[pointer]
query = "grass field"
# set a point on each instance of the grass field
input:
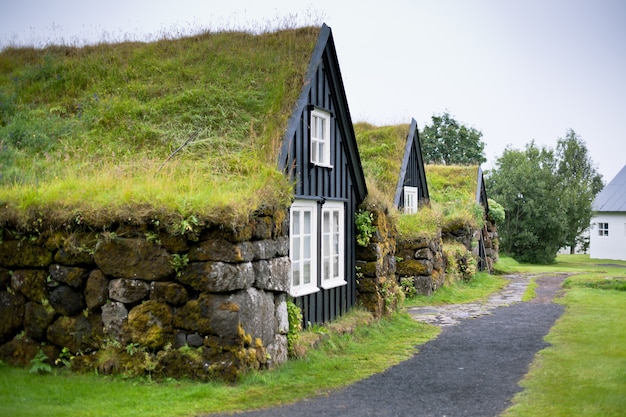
(583, 373)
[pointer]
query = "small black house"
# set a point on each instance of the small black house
(319, 152)
(412, 189)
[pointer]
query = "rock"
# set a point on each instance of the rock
(115, 319)
(150, 324)
(67, 301)
(31, 283)
(37, 318)
(168, 292)
(222, 250)
(12, 312)
(282, 317)
(128, 290)
(273, 274)
(96, 290)
(413, 267)
(75, 333)
(277, 351)
(195, 340)
(22, 254)
(217, 276)
(72, 276)
(133, 259)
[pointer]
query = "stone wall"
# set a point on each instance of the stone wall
(422, 261)
(133, 299)
(376, 267)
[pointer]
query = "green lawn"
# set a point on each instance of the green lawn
(583, 373)
(340, 360)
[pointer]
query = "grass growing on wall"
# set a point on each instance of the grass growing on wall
(191, 124)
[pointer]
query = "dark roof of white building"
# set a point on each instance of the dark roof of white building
(613, 196)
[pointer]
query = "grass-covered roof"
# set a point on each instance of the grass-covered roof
(381, 149)
(184, 126)
(453, 190)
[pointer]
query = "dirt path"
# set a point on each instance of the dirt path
(471, 369)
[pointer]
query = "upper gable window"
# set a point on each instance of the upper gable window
(410, 200)
(320, 137)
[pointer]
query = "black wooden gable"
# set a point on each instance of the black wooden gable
(344, 181)
(412, 171)
(323, 89)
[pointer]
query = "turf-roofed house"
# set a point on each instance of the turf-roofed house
(392, 159)
(460, 193)
(162, 202)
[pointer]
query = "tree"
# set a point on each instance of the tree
(580, 183)
(525, 185)
(448, 142)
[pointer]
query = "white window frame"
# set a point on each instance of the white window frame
(299, 254)
(319, 132)
(603, 229)
(333, 245)
(410, 200)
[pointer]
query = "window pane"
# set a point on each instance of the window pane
(307, 223)
(295, 222)
(307, 272)
(295, 249)
(336, 265)
(326, 275)
(295, 274)
(322, 129)
(326, 222)
(306, 249)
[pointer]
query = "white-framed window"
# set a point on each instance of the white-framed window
(333, 245)
(603, 229)
(410, 200)
(320, 137)
(303, 248)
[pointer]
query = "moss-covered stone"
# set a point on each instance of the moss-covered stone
(37, 318)
(75, 333)
(67, 301)
(96, 290)
(169, 292)
(150, 324)
(413, 267)
(23, 254)
(71, 275)
(133, 259)
(31, 283)
(12, 313)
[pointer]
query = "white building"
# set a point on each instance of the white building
(608, 226)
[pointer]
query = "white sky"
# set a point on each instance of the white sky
(516, 70)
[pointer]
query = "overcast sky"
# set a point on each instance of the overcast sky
(516, 70)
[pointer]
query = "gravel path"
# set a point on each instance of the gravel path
(471, 369)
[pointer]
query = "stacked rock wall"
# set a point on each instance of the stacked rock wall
(207, 304)
(376, 267)
(422, 261)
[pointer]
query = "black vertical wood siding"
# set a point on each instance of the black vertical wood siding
(334, 183)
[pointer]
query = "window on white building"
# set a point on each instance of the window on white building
(303, 248)
(320, 137)
(603, 229)
(333, 245)
(410, 200)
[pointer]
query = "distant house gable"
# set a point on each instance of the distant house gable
(412, 173)
(607, 237)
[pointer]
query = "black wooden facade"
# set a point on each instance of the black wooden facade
(412, 173)
(481, 198)
(345, 182)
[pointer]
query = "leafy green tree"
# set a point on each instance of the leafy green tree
(525, 184)
(580, 184)
(447, 142)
